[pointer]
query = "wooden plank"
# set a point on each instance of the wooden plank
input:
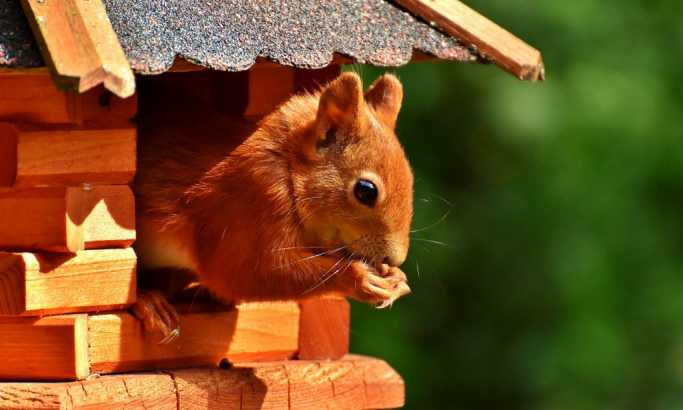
(33, 98)
(109, 216)
(462, 22)
(295, 384)
(36, 285)
(67, 156)
(324, 328)
(252, 331)
(67, 219)
(100, 107)
(50, 348)
(269, 86)
(77, 40)
(40, 219)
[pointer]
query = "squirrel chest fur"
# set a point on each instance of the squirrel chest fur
(315, 198)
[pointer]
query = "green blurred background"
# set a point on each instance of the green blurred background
(560, 284)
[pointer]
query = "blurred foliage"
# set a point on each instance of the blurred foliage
(560, 284)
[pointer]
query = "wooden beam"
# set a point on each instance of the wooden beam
(108, 216)
(35, 285)
(324, 328)
(78, 42)
(31, 97)
(494, 42)
(61, 156)
(355, 382)
(254, 331)
(40, 219)
(51, 348)
(66, 219)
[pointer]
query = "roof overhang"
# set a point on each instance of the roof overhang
(89, 42)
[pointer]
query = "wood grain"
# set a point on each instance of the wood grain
(66, 219)
(40, 219)
(253, 331)
(77, 40)
(75, 156)
(98, 280)
(462, 22)
(324, 328)
(50, 348)
(31, 97)
(354, 382)
(109, 216)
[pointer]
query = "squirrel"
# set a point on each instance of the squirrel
(315, 198)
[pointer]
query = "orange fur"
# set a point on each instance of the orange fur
(247, 209)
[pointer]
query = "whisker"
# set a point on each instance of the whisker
(417, 267)
(433, 242)
(322, 253)
(326, 276)
(442, 199)
(424, 248)
(290, 248)
(440, 220)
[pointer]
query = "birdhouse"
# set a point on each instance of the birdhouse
(78, 79)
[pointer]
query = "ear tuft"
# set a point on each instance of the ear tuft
(385, 96)
(342, 100)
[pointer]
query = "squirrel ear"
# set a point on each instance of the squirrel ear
(342, 101)
(385, 96)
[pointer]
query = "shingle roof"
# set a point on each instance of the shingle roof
(231, 34)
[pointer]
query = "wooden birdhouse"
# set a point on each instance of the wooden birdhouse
(77, 80)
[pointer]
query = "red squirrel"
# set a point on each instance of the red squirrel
(316, 198)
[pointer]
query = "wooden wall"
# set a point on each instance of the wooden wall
(67, 224)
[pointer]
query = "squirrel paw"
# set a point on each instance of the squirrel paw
(380, 287)
(157, 316)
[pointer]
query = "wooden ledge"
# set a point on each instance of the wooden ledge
(80, 45)
(491, 40)
(354, 382)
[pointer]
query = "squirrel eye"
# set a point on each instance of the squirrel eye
(365, 192)
(329, 139)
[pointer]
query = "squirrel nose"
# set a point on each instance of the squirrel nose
(396, 257)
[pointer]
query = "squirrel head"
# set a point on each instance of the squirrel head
(352, 183)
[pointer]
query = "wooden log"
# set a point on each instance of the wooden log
(66, 156)
(50, 348)
(351, 383)
(78, 42)
(269, 86)
(31, 97)
(109, 216)
(254, 331)
(67, 219)
(41, 219)
(36, 285)
(462, 22)
(324, 328)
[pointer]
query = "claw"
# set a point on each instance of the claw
(173, 335)
(382, 285)
(157, 316)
